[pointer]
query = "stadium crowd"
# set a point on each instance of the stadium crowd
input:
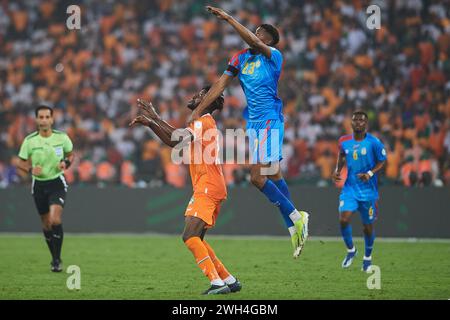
(165, 51)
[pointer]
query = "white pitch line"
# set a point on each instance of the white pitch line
(226, 237)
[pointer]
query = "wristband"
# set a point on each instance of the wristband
(370, 173)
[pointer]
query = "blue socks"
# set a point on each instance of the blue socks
(279, 198)
(347, 236)
(369, 240)
(282, 186)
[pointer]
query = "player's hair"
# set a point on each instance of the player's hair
(272, 31)
(43, 107)
(360, 112)
(218, 103)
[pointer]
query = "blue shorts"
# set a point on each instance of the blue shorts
(265, 140)
(367, 209)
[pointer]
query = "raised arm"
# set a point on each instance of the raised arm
(213, 93)
(150, 118)
(249, 37)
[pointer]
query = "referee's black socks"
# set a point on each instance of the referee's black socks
(48, 234)
(58, 235)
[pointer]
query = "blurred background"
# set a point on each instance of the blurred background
(123, 180)
(165, 51)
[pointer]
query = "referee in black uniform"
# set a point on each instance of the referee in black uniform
(47, 153)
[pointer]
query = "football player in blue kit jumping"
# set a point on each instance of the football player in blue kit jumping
(258, 69)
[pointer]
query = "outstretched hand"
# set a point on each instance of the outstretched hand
(148, 114)
(148, 109)
(219, 13)
(142, 120)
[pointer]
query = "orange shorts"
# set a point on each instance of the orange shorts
(205, 208)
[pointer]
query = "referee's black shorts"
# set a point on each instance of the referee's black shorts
(47, 193)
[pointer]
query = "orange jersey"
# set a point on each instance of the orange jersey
(205, 168)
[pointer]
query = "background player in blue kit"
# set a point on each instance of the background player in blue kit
(365, 155)
(258, 69)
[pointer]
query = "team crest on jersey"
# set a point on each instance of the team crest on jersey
(355, 155)
(197, 124)
(59, 151)
(363, 151)
(346, 151)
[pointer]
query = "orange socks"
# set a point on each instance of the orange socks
(221, 270)
(202, 258)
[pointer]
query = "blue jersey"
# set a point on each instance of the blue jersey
(361, 156)
(259, 76)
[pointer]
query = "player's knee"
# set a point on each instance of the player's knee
(53, 221)
(277, 176)
(56, 221)
(186, 236)
(47, 225)
(55, 215)
(46, 222)
(344, 221)
(257, 180)
(367, 228)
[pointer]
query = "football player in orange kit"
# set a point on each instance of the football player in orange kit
(207, 181)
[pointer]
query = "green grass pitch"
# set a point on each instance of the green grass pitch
(160, 267)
